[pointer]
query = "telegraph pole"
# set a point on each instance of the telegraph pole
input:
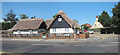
(74, 31)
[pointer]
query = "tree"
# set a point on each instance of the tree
(0, 25)
(5, 25)
(23, 16)
(112, 22)
(32, 17)
(75, 20)
(86, 28)
(11, 18)
(116, 15)
(104, 19)
(54, 15)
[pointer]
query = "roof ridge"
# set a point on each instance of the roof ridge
(61, 12)
(67, 19)
(49, 19)
(24, 25)
(32, 19)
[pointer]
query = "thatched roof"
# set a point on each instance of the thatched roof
(48, 22)
(26, 24)
(67, 19)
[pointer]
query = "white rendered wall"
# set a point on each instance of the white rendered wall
(61, 30)
(96, 25)
(25, 32)
(78, 31)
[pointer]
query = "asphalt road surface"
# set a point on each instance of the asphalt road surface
(109, 45)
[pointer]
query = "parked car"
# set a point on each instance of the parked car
(91, 32)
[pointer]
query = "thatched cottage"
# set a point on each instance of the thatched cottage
(60, 24)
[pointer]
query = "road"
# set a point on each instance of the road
(108, 45)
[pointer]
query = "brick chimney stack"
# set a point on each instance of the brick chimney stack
(96, 18)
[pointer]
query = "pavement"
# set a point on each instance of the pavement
(90, 45)
(61, 40)
(97, 35)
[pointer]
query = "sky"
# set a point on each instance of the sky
(83, 12)
(60, 0)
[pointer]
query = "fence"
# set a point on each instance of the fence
(4, 33)
(60, 35)
(27, 36)
(46, 35)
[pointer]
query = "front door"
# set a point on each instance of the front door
(44, 36)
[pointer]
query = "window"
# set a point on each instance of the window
(95, 24)
(30, 31)
(66, 29)
(54, 30)
(99, 25)
(18, 31)
(59, 19)
(59, 16)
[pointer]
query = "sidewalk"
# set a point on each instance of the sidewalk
(49, 40)
(60, 40)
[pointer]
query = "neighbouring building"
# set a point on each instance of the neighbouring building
(83, 28)
(97, 24)
(29, 26)
(88, 25)
(63, 24)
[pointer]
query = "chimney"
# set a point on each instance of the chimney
(96, 16)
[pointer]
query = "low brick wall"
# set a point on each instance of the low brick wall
(59, 37)
(97, 34)
(85, 35)
(48, 36)
(25, 38)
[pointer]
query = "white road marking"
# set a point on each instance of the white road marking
(115, 42)
(41, 44)
(76, 45)
(60, 45)
(103, 45)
